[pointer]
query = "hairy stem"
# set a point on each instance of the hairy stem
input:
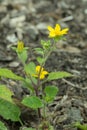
(39, 111)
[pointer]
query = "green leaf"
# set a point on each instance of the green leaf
(27, 83)
(58, 75)
(6, 73)
(39, 51)
(23, 56)
(80, 126)
(50, 92)
(2, 126)
(46, 44)
(40, 60)
(8, 109)
(6, 93)
(32, 102)
(30, 68)
(51, 127)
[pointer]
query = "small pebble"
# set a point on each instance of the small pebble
(12, 38)
(14, 64)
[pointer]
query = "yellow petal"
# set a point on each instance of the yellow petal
(50, 28)
(38, 68)
(57, 28)
(42, 76)
(52, 34)
(44, 72)
(64, 31)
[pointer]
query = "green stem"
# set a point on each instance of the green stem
(46, 54)
(39, 111)
(21, 122)
(38, 85)
(44, 111)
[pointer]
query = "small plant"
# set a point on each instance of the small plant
(35, 79)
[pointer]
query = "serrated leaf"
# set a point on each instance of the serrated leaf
(23, 56)
(9, 110)
(39, 51)
(30, 68)
(40, 60)
(46, 44)
(27, 83)
(32, 102)
(6, 93)
(50, 92)
(58, 75)
(2, 126)
(6, 73)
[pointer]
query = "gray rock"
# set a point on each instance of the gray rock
(5, 58)
(12, 38)
(14, 64)
(32, 32)
(75, 115)
(41, 26)
(17, 21)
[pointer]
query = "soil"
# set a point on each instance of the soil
(27, 21)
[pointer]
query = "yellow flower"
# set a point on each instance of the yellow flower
(20, 46)
(55, 32)
(42, 72)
